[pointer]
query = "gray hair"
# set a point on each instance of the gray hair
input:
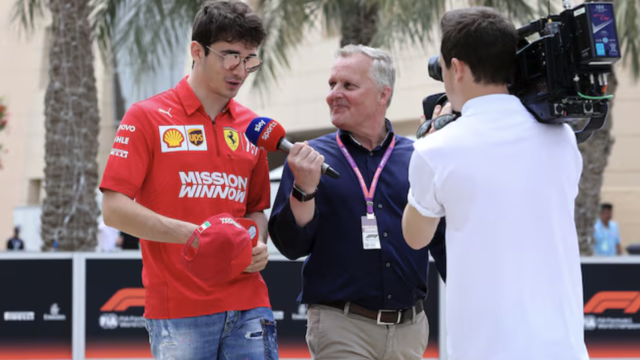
(382, 72)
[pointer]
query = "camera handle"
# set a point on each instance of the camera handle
(594, 124)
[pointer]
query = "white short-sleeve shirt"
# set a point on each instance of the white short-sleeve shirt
(507, 185)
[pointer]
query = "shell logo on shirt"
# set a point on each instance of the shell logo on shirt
(231, 138)
(172, 138)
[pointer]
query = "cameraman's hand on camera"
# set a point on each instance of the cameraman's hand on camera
(305, 164)
(437, 111)
(442, 110)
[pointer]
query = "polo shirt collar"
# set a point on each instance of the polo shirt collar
(232, 108)
(346, 135)
(490, 103)
(191, 103)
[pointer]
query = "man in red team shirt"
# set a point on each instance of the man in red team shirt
(178, 159)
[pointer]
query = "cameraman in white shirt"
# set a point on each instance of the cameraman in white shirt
(507, 185)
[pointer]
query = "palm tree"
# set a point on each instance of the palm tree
(596, 150)
(69, 211)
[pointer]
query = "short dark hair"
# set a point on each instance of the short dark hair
(230, 21)
(483, 39)
(606, 206)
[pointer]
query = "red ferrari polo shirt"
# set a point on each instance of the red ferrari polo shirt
(173, 159)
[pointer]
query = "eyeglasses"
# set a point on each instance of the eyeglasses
(230, 61)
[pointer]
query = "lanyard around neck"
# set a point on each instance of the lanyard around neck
(368, 193)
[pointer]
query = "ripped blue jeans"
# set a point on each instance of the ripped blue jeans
(230, 335)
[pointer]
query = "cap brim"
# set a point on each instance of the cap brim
(241, 262)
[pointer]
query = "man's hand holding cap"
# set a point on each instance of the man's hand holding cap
(252, 228)
(224, 248)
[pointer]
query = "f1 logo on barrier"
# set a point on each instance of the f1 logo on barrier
(124, 299)
(629, 301)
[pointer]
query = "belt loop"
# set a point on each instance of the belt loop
(345, 311)
(413, 317)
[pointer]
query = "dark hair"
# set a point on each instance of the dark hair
(606, 206)
(483, 39)
(230, 21)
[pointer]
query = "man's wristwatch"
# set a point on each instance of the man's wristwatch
(301, 195)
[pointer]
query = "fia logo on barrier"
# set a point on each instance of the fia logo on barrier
(613, 310)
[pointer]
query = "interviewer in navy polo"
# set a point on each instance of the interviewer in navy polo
(361, 278)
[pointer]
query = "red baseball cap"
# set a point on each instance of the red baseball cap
(224, 249)
(252, 228)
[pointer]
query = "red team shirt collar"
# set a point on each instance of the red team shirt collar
(191, 103)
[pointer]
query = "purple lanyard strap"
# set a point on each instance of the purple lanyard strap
(368, 193)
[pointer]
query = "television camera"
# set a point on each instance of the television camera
(560, 77)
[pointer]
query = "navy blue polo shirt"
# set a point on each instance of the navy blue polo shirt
(337, 267)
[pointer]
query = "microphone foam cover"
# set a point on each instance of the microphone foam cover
(265, 133)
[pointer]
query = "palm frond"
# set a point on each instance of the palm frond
(27, 13)
(628, 26)
(101, 19)
(334, 12)
(522, 11)
(408, 22)
(147, 31)
(285, 22)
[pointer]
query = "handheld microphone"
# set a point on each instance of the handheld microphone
(268, 135)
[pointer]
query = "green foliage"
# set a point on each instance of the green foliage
(151, 30)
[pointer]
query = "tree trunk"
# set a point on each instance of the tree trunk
(595, 155)
(361, 26)
(69, 210)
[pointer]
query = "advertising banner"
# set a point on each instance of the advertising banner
(36, 306)
(612, 309)
(115, 300)
(284, 279)
(432, 309)
(114, 325)
(37, 303)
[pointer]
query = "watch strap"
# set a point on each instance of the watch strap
(301, 195)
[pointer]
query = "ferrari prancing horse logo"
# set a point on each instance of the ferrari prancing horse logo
(232, 138)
